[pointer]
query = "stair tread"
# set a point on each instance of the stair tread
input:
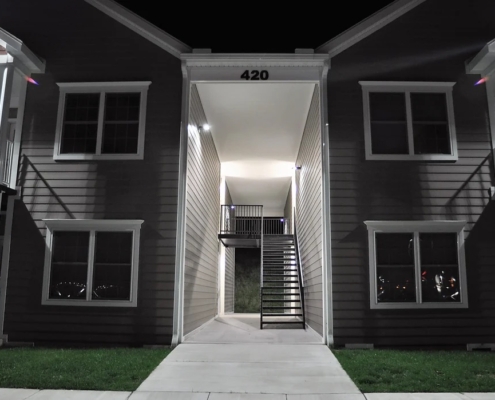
(281, 315)
(281, 301)
(280, 294)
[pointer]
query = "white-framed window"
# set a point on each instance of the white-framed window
(409, 121)
(91, 262)
(417, 264)
(101, 121)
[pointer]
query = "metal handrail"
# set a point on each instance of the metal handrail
(299, 269)
(276, 226)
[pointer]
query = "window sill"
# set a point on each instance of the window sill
(413, 157)
(93, 303)
(89, 157)
(416, 306)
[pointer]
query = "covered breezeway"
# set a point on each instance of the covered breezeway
(242, 143)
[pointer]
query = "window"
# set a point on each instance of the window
(409, 121)
(103, 121)
(91, 262)
(417, 264)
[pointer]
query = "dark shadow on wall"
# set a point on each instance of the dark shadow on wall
(480, 265)
(25, 166)
(24, 286)
(474, 183)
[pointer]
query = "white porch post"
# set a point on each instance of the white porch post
(6, 79)
(221, 255)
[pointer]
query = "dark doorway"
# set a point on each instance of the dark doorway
(247, 280)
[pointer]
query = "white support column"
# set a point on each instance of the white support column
(18, 132)
(221, 257)
(6, 79)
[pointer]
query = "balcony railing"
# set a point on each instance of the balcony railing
(248, 220)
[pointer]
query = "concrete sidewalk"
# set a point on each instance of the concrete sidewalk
(250, 368)
(24, 394)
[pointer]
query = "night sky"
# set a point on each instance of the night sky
(254, 27)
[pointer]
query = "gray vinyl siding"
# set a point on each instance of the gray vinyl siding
(430, 43)
(88, 46)
(202, 221)
(308, 209)
(229, 267)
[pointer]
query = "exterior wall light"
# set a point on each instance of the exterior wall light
(204, 127)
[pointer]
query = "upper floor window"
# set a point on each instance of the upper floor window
(101, 120)
(417, 264)
(409, 121)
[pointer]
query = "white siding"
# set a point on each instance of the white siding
(202, 219)
(308, 214)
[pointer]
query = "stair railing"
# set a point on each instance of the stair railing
(299, 272)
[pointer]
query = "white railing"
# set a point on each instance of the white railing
(8, 160)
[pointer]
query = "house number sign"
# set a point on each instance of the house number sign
(255, 75)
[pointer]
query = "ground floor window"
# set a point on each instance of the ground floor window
(417, 264)
(91, 262)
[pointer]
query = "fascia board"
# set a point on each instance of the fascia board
(141, 26)
(483, 62)
(19, 50)
(264, 59)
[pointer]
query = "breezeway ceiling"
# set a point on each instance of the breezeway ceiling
(257, 129)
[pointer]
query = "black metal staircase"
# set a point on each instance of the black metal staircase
(282, 290)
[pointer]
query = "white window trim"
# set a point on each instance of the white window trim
(102, 88)
(92, 226)
(408, 88)
(417, 227)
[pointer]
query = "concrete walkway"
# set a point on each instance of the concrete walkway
(229, 358)
(24, 394)
(250, 368)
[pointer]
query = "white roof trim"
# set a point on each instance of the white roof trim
(484, 62)
(141, 26)
(368, 26)
(276, 60)
(16, 48)
(422, 226)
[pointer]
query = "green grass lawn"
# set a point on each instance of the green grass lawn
(88, 369)
(419, 371)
